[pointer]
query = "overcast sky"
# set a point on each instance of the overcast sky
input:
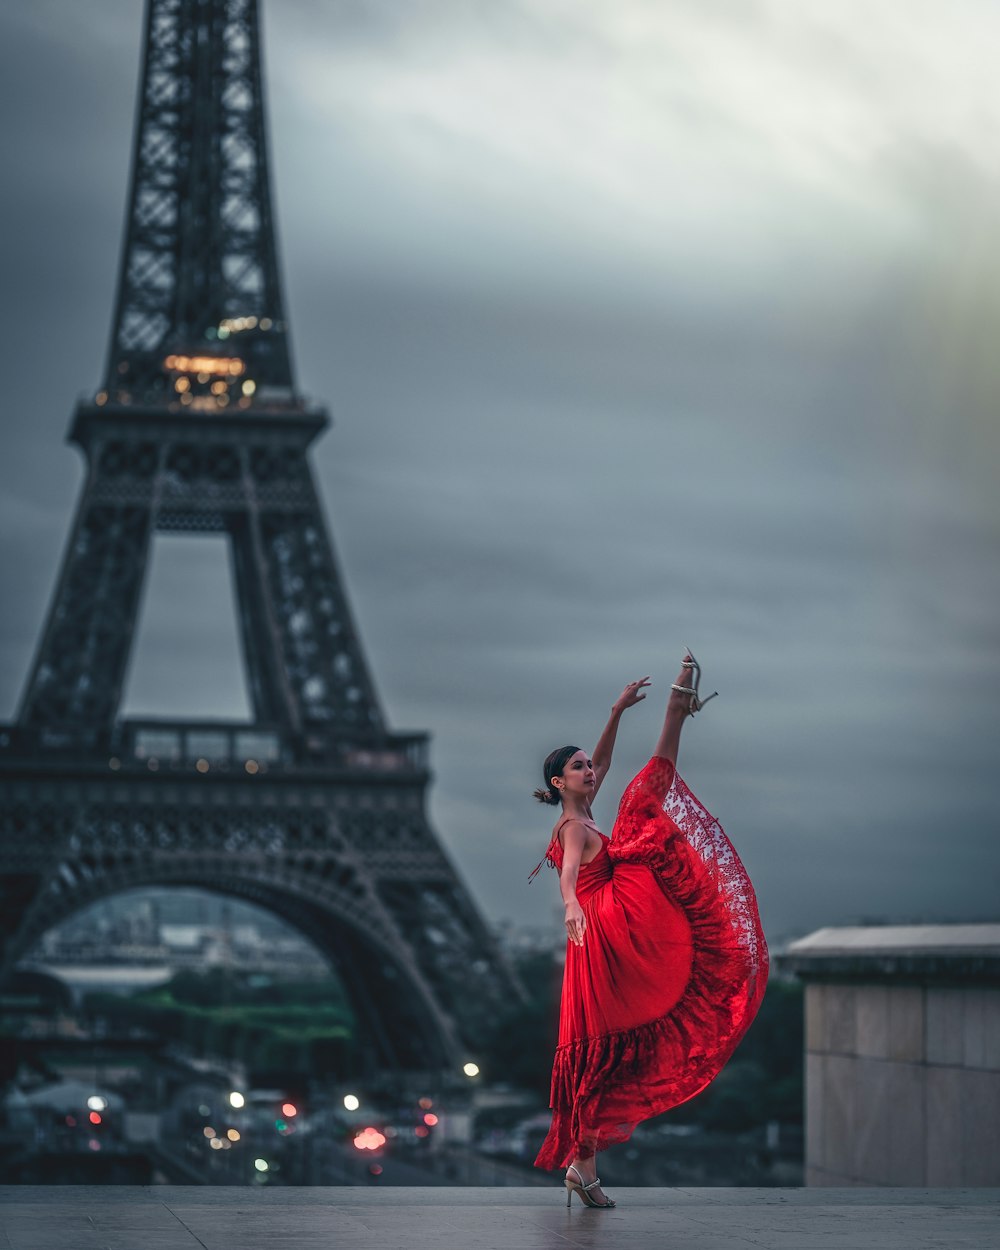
(643, 324)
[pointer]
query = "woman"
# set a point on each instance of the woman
(666, 962)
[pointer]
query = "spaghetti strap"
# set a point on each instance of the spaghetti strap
(559, 825)
(548, 857)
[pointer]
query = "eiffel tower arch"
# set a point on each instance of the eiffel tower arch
(316, 808)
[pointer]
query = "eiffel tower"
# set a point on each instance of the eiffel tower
(315, 810)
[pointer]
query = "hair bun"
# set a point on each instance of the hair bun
(544, 796)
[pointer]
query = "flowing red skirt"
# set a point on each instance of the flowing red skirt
(670, 975)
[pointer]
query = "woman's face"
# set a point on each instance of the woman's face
(578, 777)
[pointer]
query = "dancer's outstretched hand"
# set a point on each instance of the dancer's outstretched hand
(630, 696)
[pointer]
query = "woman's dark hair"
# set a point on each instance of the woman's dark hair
(554, 764)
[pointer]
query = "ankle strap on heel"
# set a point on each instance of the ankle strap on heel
(592, 1184)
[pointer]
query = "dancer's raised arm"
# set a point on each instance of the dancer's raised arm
(629, 697)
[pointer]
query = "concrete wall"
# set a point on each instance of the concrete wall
(902, 1084)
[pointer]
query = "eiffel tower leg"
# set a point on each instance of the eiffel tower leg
(317, 638)
(76, 683)
(271, 696)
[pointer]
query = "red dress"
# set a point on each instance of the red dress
(670, 975)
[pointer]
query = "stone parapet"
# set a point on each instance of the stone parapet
(902, 1064)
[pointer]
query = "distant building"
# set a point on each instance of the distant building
(180, 930)
(902, 1054)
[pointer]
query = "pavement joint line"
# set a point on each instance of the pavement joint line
(188, 1230)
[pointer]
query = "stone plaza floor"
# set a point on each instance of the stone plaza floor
(42, 1217)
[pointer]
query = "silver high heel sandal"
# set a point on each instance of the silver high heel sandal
(696, 703)
(583, 1190)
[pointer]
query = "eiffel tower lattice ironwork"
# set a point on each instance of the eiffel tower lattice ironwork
(315, 810)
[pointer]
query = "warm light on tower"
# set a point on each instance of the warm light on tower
(204, 366)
